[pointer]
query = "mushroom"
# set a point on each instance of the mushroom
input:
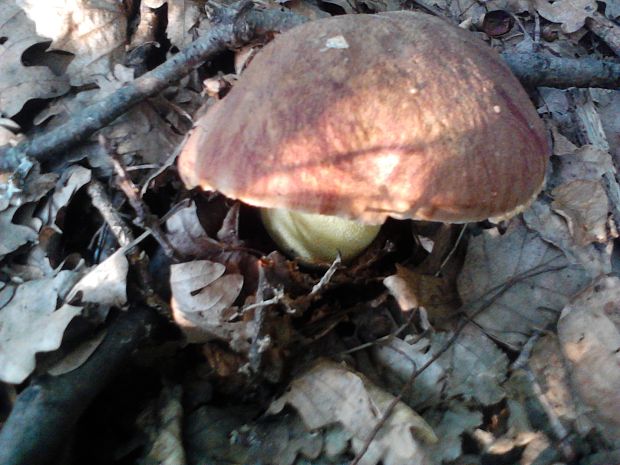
(342, 122)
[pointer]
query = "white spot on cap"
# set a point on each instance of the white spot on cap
(385, 165)
(336, 42)
(497, 109)
(413, 90)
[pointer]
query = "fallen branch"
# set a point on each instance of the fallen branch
(48, 409)
(607, 30)
(233, 27)
(538, 70)
(236, 26)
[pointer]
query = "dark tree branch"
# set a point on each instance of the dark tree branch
(233, 27)
(538, 70)
(47, 410)
(236, 26)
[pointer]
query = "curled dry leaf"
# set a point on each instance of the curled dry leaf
(584, 205)
(589, 332)
(162, 423)
(474, 365)
(411, 290)
(186, 234)
(449, 428)
(19, 83)
(93, 30)
(37, 222)
(331, 393)
(572, 14)
(515, 283)
(497, 23)
(106, 283)
(72, 179)
(31, 323)
(13, 236)
(201, 292)
(553, 229)
(399, 360)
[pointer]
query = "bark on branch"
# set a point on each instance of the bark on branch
(46, 411)
(236, 26)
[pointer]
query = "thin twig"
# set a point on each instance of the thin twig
(386, 338)
(392, 405)
(127, 241)
(144, 217)
(234, 26)
(452, 251)
(101, 201)
(326, 278)
(493, 296)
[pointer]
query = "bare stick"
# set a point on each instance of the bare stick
(233, 27)
(392, 405)
(538, 70)
(606, 29)
(126, 238)
(493, 294)
(236, 26)
(145, 218)
(47, 410)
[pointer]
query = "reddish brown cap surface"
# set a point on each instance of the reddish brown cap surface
(369, 116)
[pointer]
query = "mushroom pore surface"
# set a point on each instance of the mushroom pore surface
(369, 116)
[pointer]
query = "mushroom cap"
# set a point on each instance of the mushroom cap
(369, 116)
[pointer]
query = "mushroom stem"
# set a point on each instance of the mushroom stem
(317, 238)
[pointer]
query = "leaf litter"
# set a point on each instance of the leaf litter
(515, 281)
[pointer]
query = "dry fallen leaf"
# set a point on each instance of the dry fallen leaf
(584, 205)
(187, 235)
(201, 286)
(608, 107)
(331, 393)
(183, 16)
(72, 179)
(13, 236)
(516, 283)
(589, 332)
(585, 162)
(31, 323)
(201, 293)
(106, 283)
(92, 30)
(552, 228)
(19, 83)
(162, 423)
(449, 428)
(548, 367)
(411, 290)
(398, 359)
(475, 366)
(77, 356)
(572, 14)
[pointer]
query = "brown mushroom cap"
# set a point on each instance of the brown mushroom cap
(368, 116)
